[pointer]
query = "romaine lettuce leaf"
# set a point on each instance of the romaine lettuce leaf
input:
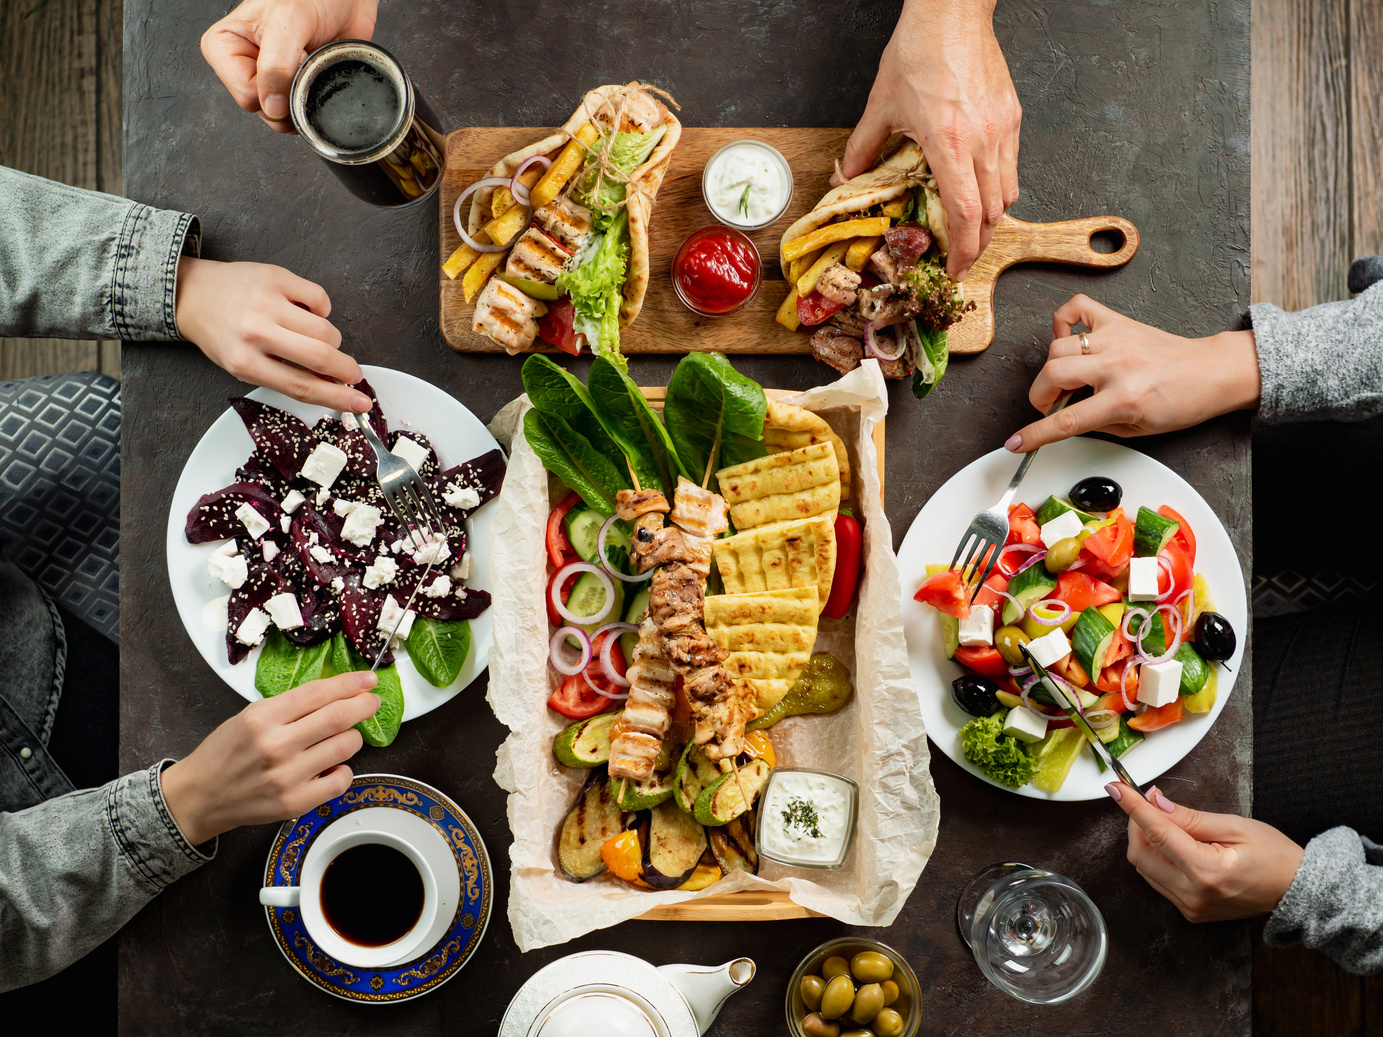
(596, 289)
(628, 151)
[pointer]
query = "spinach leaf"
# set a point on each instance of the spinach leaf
(382, 728)
(439, 649)
(569, 455)
(931, 360)
(283, 665)
(714, 414)
(555, 390)
(632, 423)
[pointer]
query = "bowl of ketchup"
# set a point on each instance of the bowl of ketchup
(716, 271)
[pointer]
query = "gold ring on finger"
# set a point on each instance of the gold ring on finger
(1084, 344)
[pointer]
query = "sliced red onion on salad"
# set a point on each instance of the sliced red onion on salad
(605, 563)
(489, 181)
(520, 190)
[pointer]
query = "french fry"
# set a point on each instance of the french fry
(502, 201)
(859, 252)
(798, 266)
(807, 282)
(480, 272)
(895, 208)
(787, 313)
(571, 159)
(463, 257)
(502, 230)
(833, 232)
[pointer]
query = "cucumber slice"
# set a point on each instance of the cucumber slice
(1155, 638)
(582, 526)
(1032, 584)
(950, 634)
(1090, 640)
(1055, 756)
(1151, 532)
(588, 599)
(1126, 740)
(638, 607)
(1054, 506)
(720, 802)
(585, 743)
(1195, 671)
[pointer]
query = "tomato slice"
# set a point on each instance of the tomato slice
(1184, 534)
(989, 593)
(1071, 670)
(556, 326)
(1112, 545)
(983, 659)
(576, 698)
(1160, 717)
(1177, 569)
(1108, 682)
(813, 308)
(1080, 591)
(559, 549)
(945, 591)
(1022, 526)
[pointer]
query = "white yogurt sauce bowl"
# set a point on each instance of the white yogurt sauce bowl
(807, 818)
(751, 164)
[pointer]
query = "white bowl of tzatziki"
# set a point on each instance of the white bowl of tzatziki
(807, 818)
(747, 184)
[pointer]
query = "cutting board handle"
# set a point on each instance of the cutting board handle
(1067, 241)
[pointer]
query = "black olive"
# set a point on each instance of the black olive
(977, 695)
(644, 535)
(1098, 493)
(1214, 636)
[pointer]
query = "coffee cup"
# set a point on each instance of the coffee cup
(376, 888)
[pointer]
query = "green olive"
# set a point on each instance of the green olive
(868, 1000)
(814, 1025)
(890, 991)
(837, 998)
(1007, 640)
(810, 989)
(835, 966)
(888, 1023)
(1062, 555)
(871, 967)
(858, 1033)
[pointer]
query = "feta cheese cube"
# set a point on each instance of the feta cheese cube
(338, 585)
(255, 524)
(1025, 725)
(434, 551)
(1159, 683)
(285, 522)
(1067, 524)
(322, 496)
(382, 571)
(1050, 649)
(412, 452)
(320, 553)
(462, 569)
(228, 567)
(283, 610)
(324, 464)
(342, 507)
(1142, 579)
(252, 627)
(389, 615)
(461, 497)
(978, 627)
(229, 548)
(293, 501)
(438, 588)
(359, 527)
(271, 550)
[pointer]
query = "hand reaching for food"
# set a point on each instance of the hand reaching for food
(257, 48)
(1212, 867)
(943, 82)
(1145, 380)
(275, 759)
(267, 326)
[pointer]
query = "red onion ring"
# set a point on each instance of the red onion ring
(1172, 648)
(605, 561)
(556, 651)
(613, 631)
(1107, 718)
(1077, 565)
(1189, 592)
(520, 190)
(1041, 554)
(871, 344)
(1019, 671)
(585, 676)
(566, 613)
(1123, 684)
(489, 181)
(1016, 603)
(1163, 565)
(1048, 622)
(1147, 620)
(1026, 548)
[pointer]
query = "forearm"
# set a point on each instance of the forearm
(74, 869)
(80, 264)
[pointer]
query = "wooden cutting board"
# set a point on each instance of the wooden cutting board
(666, 326)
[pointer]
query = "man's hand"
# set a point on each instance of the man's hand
(267, 326)
(1212, 867)
(1145, 380)
(943, 82)
(275, 759)
(257, 48)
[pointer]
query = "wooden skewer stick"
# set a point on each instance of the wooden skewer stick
(706, 479)
(734, 766)
(620, 798)
(633, 475)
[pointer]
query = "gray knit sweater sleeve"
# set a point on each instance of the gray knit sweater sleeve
(1335, 903)
(1322, 363)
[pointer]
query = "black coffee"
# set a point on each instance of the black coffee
(353, 105)
(372, 894)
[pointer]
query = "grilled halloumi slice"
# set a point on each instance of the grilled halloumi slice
(506, 315)
(566, 221)
(536, 257)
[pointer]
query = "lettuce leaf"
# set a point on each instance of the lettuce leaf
(628, 151)
(930, 355)
(714, 414)
(596, 288)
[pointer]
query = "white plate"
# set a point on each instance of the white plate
(938, 528)
(458, 436)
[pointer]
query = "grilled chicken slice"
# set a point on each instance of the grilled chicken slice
(641, 113)
(838, 284)
(630, 504)
(506, 315)
(566, 221)
(632, 753)
(700, 512)
(536, 257)
(639, 732)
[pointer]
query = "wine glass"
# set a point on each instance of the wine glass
(1034, 933)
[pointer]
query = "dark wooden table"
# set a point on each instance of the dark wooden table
(1138, 109)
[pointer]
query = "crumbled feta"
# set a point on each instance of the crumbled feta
(1159, 684)
(399, 547)
(359, 527)
(252, 627)
(381, 572)
(1065, 525)
(293, 501)
(228, 566)
(389, 615)
(461, 497)
(1050, 649)
(978, 627)
(320, 553)
(323, 465)
(434, 551)
(438, 588)
(322, 496)
(338, 585)
(271, 550)
(342, 507)
(1025, 725)
(283, 610)
(412, 452)
(286, 522)
(255, 524)
(1142, 579)
(462, 569)
(230, 547)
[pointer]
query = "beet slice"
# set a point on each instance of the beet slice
(282, 439)
(484, 474)
(213, 516)
(445, 609)
(261, 584)
(344, 557)
(360, 609)
(376, 416)
(262, 474)
(321, 616)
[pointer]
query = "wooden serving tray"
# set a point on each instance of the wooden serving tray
(666, 326)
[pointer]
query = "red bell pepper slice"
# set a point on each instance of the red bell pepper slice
(1159, 717)
(983, 659)
(945, 591)
(559, 549)
(849, 546)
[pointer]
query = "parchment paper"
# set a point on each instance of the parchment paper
(878, 739)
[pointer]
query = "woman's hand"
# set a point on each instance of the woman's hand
(257, 48)
(1145, 380)
(1210, 866)
(943, 82)
(267, 326)
(275, 759)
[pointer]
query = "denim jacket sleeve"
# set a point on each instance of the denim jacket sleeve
(78, 264)
(104, 854)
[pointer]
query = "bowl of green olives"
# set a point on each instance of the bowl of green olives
(854, 987)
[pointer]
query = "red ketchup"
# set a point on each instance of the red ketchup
(717, 270)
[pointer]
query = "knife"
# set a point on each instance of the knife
(1057, 688)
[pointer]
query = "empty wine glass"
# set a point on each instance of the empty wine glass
(1034, 933)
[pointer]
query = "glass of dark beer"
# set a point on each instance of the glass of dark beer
(357, 108)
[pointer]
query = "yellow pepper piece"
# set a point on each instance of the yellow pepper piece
(502, 201)
(1008, 699)
(799, 266)
(758, 746)
(859, 252)
(894, 208)
(702, 876)
(572, 158)
(787, 313)
(623, 856)
(1204, 602)
(870, 226)
(935, 567)
(479, 272)
(503, 229)
(807, 282)
(1202, 701)
(463, 257)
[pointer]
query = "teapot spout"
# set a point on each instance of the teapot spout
(704, 988)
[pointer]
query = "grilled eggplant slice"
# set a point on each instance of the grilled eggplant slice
(732, 846)
(673, 847)
(593, 818)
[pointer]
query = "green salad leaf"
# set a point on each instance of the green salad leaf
(596, 288)
(283, 665)
(382, 728)
(570, 456)
(931, 360)
(628, 151)
(439, 649)
(553, 389)
(714, 414)
(1000, 756)
(634, 426)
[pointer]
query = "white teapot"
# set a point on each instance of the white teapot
(619, 995)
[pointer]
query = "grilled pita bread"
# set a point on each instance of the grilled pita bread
(787, 428)
(768, 635)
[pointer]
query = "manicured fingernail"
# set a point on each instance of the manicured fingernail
(1114, 792)
(368, 679)
(276, 106)
(1014, 444)
(1162, 801)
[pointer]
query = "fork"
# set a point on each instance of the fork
(989, 529)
